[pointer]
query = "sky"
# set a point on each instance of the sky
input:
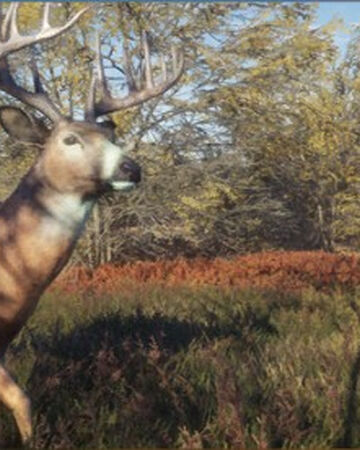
(348, 11)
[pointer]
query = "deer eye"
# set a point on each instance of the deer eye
(71, 140)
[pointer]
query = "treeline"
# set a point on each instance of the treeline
(256, 148)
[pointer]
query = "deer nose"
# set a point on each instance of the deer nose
(131, 169)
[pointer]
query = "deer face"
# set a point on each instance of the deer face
(81, 157)
(77, 157)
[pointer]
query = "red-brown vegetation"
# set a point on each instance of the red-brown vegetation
(286, 271)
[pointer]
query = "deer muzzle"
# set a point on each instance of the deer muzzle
(130, 169)
(127, 176)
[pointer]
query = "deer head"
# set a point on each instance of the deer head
(76, 156)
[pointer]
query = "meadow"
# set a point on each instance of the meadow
(193, 361)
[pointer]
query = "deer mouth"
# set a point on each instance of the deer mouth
(127, 176)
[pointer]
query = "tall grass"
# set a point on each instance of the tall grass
(191, 367)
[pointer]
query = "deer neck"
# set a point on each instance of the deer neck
(39, 227)
(42, 223)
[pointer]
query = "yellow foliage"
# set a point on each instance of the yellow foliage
(124, 120)
(12, 169)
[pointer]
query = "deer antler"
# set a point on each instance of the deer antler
(11, 41)
(107, 104)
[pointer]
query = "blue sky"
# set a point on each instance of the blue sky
(348, 11)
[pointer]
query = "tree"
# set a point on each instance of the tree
(257, 147)
(290, 124)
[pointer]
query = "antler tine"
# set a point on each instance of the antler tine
(90, 102)
(101, 80)
(14, 41)
(38, 100)
(130, 79)
(148, 70)
(38, 87)
(45, 21)
(97, 81)
(174, 58)
(7, 21)
(163, 68)
(12, 23)
(108, 104)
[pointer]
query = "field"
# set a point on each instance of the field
(261, 351)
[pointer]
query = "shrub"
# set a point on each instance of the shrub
(285, 271)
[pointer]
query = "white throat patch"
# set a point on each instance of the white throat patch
(66, 214)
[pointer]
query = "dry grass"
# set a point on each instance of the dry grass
(193, 366)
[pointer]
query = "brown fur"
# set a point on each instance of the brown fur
(28, 261)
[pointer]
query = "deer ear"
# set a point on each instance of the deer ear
(21, 126)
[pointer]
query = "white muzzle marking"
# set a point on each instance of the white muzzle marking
(122, 185)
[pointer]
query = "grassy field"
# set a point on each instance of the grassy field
(157, 366)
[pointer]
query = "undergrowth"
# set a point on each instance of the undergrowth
(190, 367)
(278, 270)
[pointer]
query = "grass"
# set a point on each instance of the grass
(190, 367)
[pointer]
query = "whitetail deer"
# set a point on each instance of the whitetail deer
(41, 221)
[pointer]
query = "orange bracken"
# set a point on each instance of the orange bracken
(286, 271)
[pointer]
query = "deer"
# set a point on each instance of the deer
(78, 162)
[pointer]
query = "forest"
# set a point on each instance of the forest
(255, 148)
(216, 305)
